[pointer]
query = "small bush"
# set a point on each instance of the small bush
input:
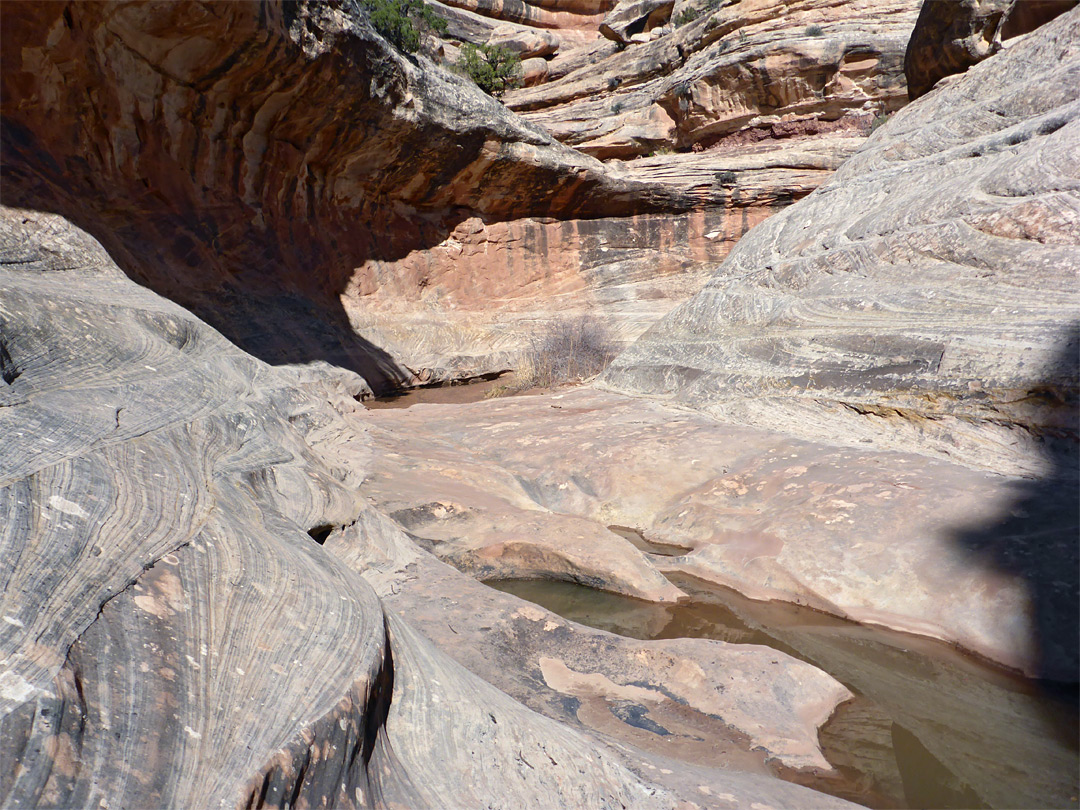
(401, 21)
(687, 15)
(494, 69)
(727, 178)
(814, 31)
(879, 119)
(613, 82)
(616, 108)
(566, 350)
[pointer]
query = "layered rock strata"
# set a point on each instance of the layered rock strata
(951, 37)
(178, 630)
(289, 177)
(734, 67)
(270, 152)
(926, 296)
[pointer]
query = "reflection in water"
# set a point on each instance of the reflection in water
(458, 393)
(930, 727)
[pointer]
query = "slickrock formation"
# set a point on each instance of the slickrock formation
(924, 297)
(847, 531)
(172, 635)
(883, 538)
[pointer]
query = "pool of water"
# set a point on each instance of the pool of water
(929, 727)
(453, 394)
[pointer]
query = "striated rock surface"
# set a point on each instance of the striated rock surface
(924, 297)
(173, 635)
(735, 67)
(290, 178)
(705, 703)
(635, 17)
(252, 161)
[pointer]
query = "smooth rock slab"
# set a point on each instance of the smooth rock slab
(874, 536)
(925, 298)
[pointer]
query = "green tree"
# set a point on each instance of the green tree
(401, 21)
(495, 69)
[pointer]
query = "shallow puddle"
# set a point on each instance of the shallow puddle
(929, 727)
(454, 394)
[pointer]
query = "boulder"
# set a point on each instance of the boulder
(526, 44)
(951, 36)
(633, 17)
(533, 71)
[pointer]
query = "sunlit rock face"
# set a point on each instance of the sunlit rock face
(924, 297)
(762, 69)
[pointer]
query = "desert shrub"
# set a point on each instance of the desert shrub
(727, 178)
(687, 15)
(566, 350)
(814, 31)
(495, 69)
(613, 82)
(879, 119)
(616, 107)
(401, 21)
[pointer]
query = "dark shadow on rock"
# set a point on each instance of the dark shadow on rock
(291, 327)
(1036, 536)
(255, 181)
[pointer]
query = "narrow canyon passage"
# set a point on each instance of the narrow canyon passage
(809, 537)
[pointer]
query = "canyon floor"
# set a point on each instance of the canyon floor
(810, 540)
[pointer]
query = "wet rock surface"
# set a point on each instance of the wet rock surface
(869, 535)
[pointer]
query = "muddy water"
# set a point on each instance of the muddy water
(456, 394)
(929, 727)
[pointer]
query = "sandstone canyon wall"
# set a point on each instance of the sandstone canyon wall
(314, 194)
(208, 592)
(925, 296)
(173, 636)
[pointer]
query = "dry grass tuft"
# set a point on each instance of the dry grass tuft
(566, 350)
